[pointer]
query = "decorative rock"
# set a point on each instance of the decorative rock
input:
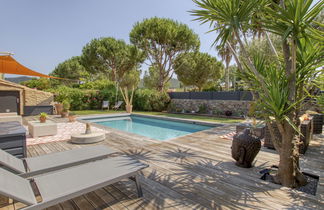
(245, 147)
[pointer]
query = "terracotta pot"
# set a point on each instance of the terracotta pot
(129, 108)
(59, 108)
(64, 114)
(71, 118)
(42, 119)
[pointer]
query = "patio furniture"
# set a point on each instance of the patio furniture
(69, 183)
(105, 105)
(258, 130)
(118, 105)
(267, 136)
(10, 116)
(306, 128)
(13, 138)
(318, 120)
(37, 128)
(32, 166)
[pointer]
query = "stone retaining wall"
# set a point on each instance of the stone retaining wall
(217, 107)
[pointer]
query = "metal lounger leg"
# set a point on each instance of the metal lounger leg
(138, 185)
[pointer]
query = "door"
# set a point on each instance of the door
(9, 101)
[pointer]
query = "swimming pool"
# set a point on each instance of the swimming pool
(155, 128)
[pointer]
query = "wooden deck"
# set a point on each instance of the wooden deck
(195, 172)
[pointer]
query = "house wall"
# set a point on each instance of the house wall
(28, 97)
(37, 98)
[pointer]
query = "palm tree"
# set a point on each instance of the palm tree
(226, 55)
(280, 85)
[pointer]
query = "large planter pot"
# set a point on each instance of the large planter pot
(317, 123)
(306, 129)
(267, 136)
(129, 108)
(245, 147)
(64, 114)
(58, 108)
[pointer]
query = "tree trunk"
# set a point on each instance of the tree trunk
(286, 163)
(161, 83)
(227, 76)
(289, 174)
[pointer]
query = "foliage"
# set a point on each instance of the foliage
(162, 40)
(151, 78)
(198, 69)
(282, 84)
(261, 46)
(71, 70)
(84, 99)
(66, 105)
(99, 84)
(39, 84)
(128, 83)
(150, 100)
(43, 114)
(111, 56)
(203, 108)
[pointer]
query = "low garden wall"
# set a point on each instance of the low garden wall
(216, 107)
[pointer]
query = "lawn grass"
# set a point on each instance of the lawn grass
(183, 116)
(88, 112)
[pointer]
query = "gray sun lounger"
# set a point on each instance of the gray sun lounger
(60, 186)
(33, 166)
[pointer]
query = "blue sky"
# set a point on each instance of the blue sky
(43, 33)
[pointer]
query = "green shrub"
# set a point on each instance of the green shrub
(203, 108)
(66, 105)
(81, 99)
(98, 85)
(150, 100)
(39, 84)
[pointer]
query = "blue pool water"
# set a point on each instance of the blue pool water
(153, 128)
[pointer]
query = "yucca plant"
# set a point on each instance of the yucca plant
(282, 85)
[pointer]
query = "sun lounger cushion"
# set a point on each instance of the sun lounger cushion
(11, 162)
(57, 160)
(16, 187)
(85, 178)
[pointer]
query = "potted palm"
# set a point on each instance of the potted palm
(66, 108)
(129, 82)
(42, 117)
